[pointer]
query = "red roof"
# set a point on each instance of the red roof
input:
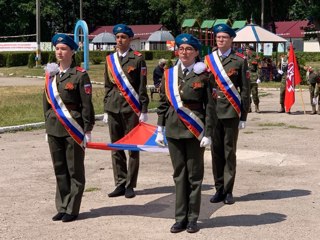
(142, 32)
(291, 29)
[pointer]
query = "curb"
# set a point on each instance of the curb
(31, 126)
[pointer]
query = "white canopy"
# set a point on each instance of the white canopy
(104, 37)
(253, 33)
(161, 36)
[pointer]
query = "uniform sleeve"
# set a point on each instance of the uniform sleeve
(45, 103)
(108, 85)
(244, 91)
(143, 95)
(87, 111)
(211, 114)
(163, 105)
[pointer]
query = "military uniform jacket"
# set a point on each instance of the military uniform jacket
(313, 77)
(75, 91)
(236, 68)
(134, 67)
(253, 67)
(196, 94)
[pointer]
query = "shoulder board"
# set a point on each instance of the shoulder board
(137, 53)
(240, 55)
(80, 69)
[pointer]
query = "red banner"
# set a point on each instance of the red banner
(293, 79)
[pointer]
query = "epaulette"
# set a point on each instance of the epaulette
(214, 48)
(241, 55)
(80, 69)
(137, 53)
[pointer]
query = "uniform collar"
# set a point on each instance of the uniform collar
(123, 54)
(190, 68)
(225, 54)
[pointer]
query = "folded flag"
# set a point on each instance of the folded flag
(140, 138)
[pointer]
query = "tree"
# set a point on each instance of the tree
(307, 9)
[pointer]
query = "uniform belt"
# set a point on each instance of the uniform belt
(193, 106)
(73, 107)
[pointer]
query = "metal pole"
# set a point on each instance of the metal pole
(81, 17)
(81, 6)
(262, 13)
(38, 51)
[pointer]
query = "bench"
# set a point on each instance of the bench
(153, 90)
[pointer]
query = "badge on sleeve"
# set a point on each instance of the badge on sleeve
(144, 71)
(88, 89)
(248, 74)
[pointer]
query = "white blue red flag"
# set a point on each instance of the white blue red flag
(141, 138)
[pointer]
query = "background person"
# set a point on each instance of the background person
(191, 83)
(72, 86)
(312, 78)
(254, 78)
(123, 111)
(158, 73)
(231, 69)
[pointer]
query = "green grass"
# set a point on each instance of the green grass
(96, 71)
(92, 189)
(280, 124)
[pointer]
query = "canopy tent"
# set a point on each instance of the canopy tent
(104, 37)
(161, 36)
(253, 33)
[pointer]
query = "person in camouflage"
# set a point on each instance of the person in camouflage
(254, 78)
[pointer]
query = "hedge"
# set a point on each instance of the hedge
(11, 59)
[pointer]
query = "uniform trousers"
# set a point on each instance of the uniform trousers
(121, 124)
(223, 150)
(188, 168)
(68, 163)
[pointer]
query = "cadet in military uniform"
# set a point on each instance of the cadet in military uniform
(233, 98)
(312, 78)
(282, 71)
(186, 112)
(69, 119)
(254, 79)
(125, 104)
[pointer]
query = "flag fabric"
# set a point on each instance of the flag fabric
(293, 79)
(141, 138)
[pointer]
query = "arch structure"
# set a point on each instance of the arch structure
(83, 25)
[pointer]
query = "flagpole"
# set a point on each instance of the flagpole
(303, 106)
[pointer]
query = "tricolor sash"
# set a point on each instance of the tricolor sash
(61, 111)
(192, 122)
(223, 81)
(123, 83)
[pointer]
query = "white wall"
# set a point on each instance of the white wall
(311, 46)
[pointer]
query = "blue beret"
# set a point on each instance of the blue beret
(224, 28)
(65, 39)
(186, 38)
(122, 28)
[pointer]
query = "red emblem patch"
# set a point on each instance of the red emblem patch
(69, 86)
(130, 69)
(88, 89)
(196, 85)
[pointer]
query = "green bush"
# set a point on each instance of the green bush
(3, 59)
(31, 61)
(78, 58)
(96, 60)
(52, 57)
(9, 62)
